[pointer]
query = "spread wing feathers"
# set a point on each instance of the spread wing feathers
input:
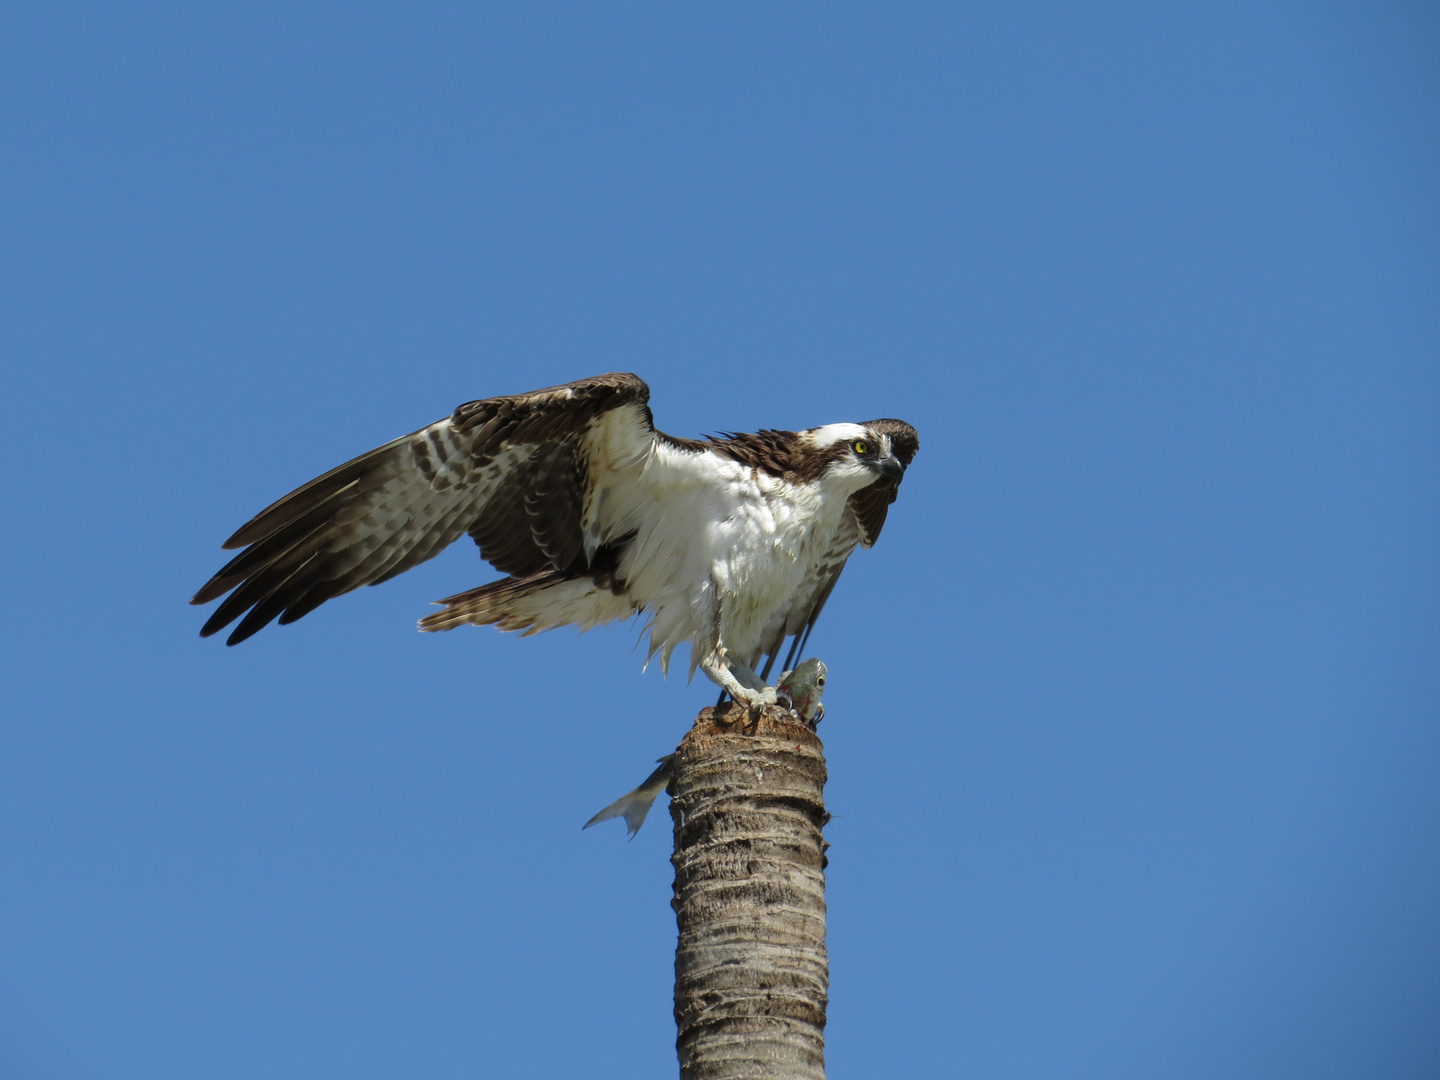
(514, 472)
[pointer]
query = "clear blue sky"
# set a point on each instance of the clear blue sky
(1132, 718)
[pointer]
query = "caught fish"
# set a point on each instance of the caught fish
(799, 689)
(634, 805)
(802, 687)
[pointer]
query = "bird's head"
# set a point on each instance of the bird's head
(857, 455)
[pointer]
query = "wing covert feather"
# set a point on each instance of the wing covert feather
(511, 471)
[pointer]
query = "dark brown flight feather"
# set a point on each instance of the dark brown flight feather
(402, 503)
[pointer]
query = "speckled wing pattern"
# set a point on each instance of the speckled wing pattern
(510, 471)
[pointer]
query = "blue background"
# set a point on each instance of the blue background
(1132, 716)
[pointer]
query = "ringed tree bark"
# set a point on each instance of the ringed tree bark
(751, 971)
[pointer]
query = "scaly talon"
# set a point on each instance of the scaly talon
(755, 699)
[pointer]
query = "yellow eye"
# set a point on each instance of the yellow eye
(860, 446)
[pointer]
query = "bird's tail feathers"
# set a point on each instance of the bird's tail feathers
(532, 604)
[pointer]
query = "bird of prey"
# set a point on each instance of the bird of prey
(730, 544)
(800, 690)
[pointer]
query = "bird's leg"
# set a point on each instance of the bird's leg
(736, 679)
(746, 676)
(726, 671)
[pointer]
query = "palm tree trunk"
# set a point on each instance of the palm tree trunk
(751, 974)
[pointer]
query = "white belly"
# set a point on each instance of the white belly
(715, 541)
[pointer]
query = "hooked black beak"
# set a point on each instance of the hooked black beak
(890, 466)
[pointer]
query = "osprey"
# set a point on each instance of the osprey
(731, 544)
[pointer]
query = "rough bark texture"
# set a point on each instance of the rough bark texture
(751, 974)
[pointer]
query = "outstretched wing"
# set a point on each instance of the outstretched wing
(861, 526)
(514, 472)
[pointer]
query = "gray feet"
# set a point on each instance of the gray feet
(737, 680)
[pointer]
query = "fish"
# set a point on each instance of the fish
(803, 688)
(799, 689)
